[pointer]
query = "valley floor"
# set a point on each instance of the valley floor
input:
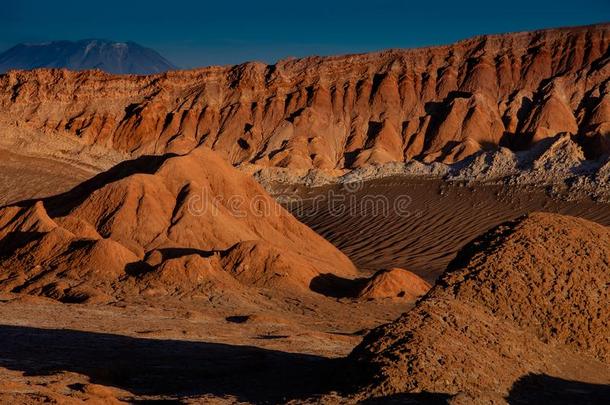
(419, 224)
(25, 177)
(175, 350)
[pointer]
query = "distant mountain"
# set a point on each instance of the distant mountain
(109, 56)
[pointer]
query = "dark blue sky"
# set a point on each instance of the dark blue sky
(197, 33)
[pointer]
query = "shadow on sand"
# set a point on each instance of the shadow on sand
(172, 368)
(544, 389)
(176, 368)
(531, 389)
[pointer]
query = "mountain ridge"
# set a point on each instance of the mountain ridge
(110, 56)
(431, 104)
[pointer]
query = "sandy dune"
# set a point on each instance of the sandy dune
(435, 219)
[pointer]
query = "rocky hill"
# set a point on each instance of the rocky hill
(432, 104)
(108, 56)
(528, 297)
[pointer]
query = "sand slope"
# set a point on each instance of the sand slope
(394, 283)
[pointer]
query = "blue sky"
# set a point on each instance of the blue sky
(199, 33)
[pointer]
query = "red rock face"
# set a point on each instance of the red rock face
(442, 103)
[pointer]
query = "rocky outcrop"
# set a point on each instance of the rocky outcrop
(528, 297)
(434, 104)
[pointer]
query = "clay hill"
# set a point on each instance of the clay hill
(163, 225)
(440, 103)
(528, 298)
(108, 56)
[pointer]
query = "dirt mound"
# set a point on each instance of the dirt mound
(530, 296)
(394, 283)
(438, 103)
(161, 224)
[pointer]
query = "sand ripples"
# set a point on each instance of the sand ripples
(440, 220)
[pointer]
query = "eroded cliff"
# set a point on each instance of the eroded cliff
(440, 103)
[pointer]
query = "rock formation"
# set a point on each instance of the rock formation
(530, 296)
(434, 104)
(161, 225)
